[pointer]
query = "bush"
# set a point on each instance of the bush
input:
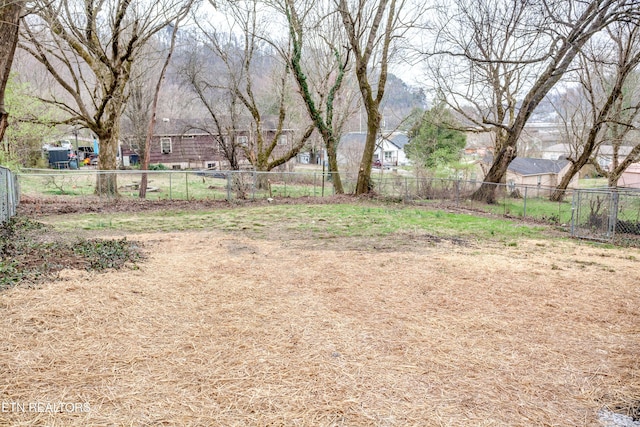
(158, 167)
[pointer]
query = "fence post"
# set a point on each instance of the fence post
(406, 189)
(503, 189)
(229, 175)
(253, 187)
(559, 222)
(170, 186)
(186, 183)
(4, 196)
(13, 194)
(524, 208)
(575, 203)
(613, 214)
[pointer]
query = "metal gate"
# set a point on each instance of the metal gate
(606, 215)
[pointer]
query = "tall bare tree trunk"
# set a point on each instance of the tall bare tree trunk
(332, 156)
(495, 175)
(142, 192)
(9, 26)
(107, 182)
(363, 185)
(364, 38)
(595, 17)
(325, 125)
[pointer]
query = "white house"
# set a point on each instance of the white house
(389, 148)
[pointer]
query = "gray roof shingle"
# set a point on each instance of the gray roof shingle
(529, 166)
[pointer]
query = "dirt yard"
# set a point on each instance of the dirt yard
(218, 329)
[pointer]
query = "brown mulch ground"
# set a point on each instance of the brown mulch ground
(221, 329)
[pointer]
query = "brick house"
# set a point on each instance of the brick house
(181, 144)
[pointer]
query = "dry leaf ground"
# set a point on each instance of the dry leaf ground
(217, 329)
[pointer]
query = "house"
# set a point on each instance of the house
(527, 171)
(182, 144)
(177, 144)
(389, 149)
(604, 155)
(537, 137)
(630, 178)
(534, 141)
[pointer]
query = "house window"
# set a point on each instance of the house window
(165, 145)
(176, 167)
(211, 165)
(388, 156)
(242, 140)
(188, 136)
(282, 140)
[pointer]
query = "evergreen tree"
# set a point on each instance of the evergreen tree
(434, 140)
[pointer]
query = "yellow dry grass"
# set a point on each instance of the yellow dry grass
(221, 330)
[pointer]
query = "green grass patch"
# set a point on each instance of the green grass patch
(536, 208)
(306, 221)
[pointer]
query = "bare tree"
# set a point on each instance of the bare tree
(142, 191)
(89, 48)
(208, 80)
(611, 105)
(621, 134)
(374, 31)
(261, 82)
(320, 73)
(517, 51)
(137, 114)
(486, 54)
(10, 11)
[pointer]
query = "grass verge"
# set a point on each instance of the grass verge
(306, 221)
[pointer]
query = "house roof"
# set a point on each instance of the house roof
(353, 137)
(633, 168)
(171, 127)
(527, 166)
(187, 127)
(399, 139)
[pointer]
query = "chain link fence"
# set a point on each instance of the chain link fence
(611, 215)
(531, 202)
(9, 194)
(597, 214)
(176, 185)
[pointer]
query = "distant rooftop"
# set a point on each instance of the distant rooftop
(527, 166)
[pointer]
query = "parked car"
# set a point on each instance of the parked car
(381, 165)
